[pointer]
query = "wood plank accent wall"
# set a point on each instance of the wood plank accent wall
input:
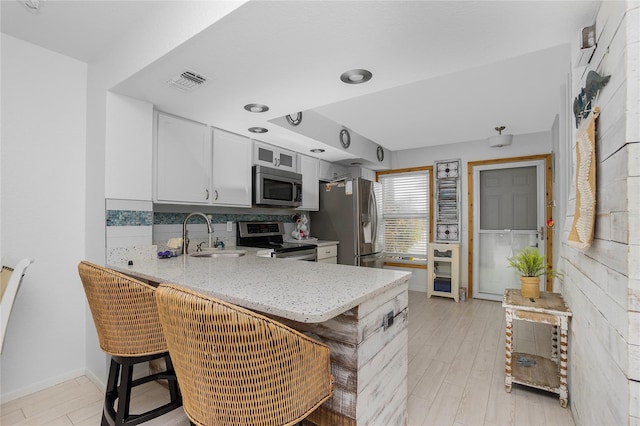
(602, 284)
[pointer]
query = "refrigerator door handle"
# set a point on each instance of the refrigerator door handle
(373, 211)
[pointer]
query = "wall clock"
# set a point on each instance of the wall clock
(380, 153)
(345, 138)
(294, 119)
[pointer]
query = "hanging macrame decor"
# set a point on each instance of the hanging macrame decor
(581, 234)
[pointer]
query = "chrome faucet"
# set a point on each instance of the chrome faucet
(185, 233)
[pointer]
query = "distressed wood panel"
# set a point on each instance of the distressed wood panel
(379, 391)
(634, 400)
(342, 328)
(536, 317)
(371, 322)
(634, 295)
(375, 363)
(380, 338)
(397, 294)
(613, 255)
(634, 362)
(612, 183)
(619, 227)
(608, 321)
(543, 376)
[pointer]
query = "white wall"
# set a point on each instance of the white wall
(43, 150)
(54, 127)
(528, 144)
(602, 284)
(168, 25)
(129, 148)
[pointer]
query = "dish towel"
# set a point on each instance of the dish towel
(581, 234)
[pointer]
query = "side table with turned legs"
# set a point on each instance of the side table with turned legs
(549, 374)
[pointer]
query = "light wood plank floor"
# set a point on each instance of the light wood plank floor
(456, 376)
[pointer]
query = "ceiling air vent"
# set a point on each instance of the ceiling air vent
(187, 81)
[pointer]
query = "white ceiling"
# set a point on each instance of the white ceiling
(443, 71)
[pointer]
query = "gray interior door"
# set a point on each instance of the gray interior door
(508, 212)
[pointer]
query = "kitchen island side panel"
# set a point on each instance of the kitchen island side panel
(371, 374)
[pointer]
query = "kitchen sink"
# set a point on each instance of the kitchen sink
(218, 253)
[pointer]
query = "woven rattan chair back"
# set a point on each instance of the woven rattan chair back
(236, 367)
(124, 312)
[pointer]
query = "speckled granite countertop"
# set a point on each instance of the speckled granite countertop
(300, 291)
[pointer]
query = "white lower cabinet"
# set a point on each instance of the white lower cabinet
(327, 254)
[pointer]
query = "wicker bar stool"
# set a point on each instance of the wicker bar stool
(237, 367)
(125, 314)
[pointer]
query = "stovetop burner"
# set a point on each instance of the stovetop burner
(268, 235)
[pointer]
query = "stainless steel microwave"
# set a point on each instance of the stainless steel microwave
(276, 188)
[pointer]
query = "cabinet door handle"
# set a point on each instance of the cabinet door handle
(216, 192)
(207, 194)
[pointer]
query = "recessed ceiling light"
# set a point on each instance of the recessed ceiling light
(356, 76)
(317, 150)
(258, 130)
(256, 108)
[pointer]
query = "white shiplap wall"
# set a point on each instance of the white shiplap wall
(602, 283)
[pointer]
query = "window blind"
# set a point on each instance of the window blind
(405, 212)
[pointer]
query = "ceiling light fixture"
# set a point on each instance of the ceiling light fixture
(317, 150)
(500, 140)
(256, 108)
(258, 130)
(356, 76)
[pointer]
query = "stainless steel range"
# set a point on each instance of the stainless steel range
(269, 236)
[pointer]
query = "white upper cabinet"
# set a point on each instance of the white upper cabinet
(196, 164)
(309, 168)
(272, 156)
(362, 172)
(183, 161)
(231, 169)
(330, 171)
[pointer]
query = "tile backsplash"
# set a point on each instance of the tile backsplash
(129, 224)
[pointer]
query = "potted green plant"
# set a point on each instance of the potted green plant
(531, 266)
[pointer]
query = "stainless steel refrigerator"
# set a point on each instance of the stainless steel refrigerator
(350, 212)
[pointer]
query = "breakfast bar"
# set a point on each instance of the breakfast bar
(361, 313)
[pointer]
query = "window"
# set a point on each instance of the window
(406, 202)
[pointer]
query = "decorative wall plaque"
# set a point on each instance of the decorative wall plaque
(345, 138)
(294, 119)
(446, 232)
(447, 209)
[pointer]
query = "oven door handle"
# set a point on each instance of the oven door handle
(310, 257)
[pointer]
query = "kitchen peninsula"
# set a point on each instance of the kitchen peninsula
(361, 313)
